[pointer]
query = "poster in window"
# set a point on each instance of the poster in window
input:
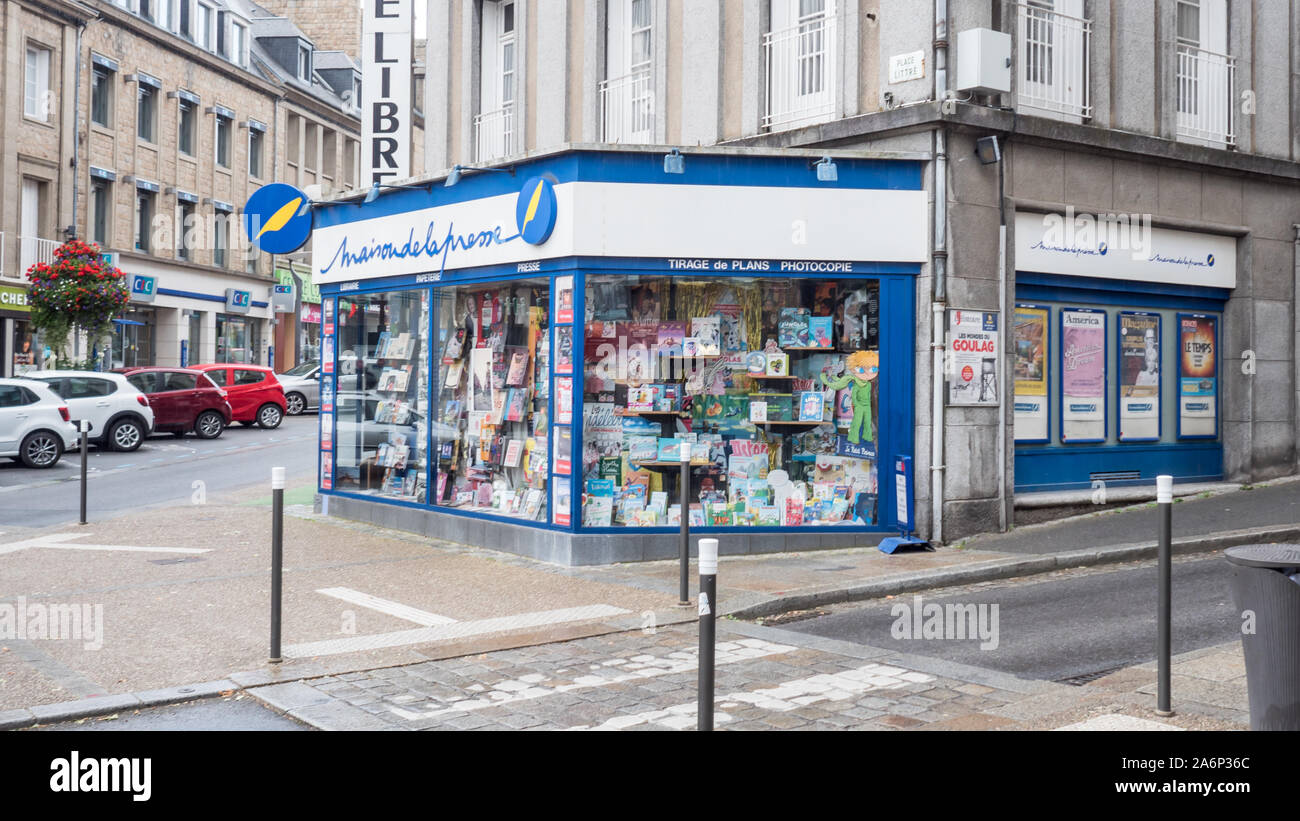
(327, 317)
(973, 354)
(564, 349)
(1198, 376)
(564, 299)
(326, 470)
(1030, 349)
(1139, 376)
(563, 452)
(1083, 375)
(327, 354)
(480, 366)
(564, 400)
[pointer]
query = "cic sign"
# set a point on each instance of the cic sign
(385, 90)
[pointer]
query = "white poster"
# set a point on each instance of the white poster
(973, 354)
(385, 90)
(1083, 375)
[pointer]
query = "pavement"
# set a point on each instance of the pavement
(429, 628)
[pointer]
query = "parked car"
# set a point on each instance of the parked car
(35, 424)
(183, 400)
(301, 387)
(119, 414)
(255, 395)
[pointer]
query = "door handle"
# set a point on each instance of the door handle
(101, 404)
(20, 416)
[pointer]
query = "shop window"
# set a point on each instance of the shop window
(380, 430)
(493, 400)
(772, 386)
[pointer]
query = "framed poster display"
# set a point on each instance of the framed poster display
(1139, 376)
(1198, 376)
(1083, 375)
(1030, 344)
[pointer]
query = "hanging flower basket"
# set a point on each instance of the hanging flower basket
(78, 290)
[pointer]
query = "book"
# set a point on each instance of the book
(381, 345)
(498, 412)
(598, 511)
(454, 373)
(691, 346)
(821, 331)
(793, 512)
(756, 363)
(515, 404)
(811, 406)
(641, 398)
(518, 368)
(778, 364)
(455, 346)
(757, 410)
(669, 340)
(780, 407)
(643, 448)
(600, 487)
(707, 331)
(514, 451)
(792, 328)
(658, 503)
(533, 503)
(669, 450)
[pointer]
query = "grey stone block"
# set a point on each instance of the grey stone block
(338, 715)
(1272, 264)
(1135, 187)
(1221, 199)
(68, 710)
(289, 696)
(1274, 449)
(1272, 393)
(1180, 192)
(1088, 181)
(1036, 173)
(186, 692)
(16, 719)
(1273, 328)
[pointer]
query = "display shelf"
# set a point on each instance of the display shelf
(810, 348)
(682, 414)
(787, 377)
(658, 464)
(793, 423)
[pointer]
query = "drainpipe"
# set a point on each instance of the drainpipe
(1003, 315)
(76, 129)
(939, 272)
(1296, 329)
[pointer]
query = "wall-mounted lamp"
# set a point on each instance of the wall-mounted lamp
(674, 162)
(826, 170)
(988, 150)
(373, 193)
(458, 170)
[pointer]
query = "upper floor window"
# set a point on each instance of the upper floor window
(1054, 40)
(203, 24)
(304, 63)
(254, 153)
(1206, 74)
(494, 127)
(223, 141)
(238, 44)
(101, 205)
(36, 84)
(143, 220)
(627, 95)
(146, 112)
(101, 96)
(185, 128)
(801, 59)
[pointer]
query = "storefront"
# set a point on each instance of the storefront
(1116, 348)
(18, 352)
(520, 360)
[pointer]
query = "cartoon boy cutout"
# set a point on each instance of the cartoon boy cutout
(862, 367)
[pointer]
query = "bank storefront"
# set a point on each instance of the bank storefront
(18, 352)
(521, 360)
(1116, 344)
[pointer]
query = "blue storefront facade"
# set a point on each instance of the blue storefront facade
(521, 359)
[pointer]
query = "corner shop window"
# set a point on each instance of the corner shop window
(380, 425)
(492, 394)
(772, 385)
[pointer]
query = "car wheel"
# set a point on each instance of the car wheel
(209, 425)
(41, 449)
(269, 416)
(295, 404)
(126, 436)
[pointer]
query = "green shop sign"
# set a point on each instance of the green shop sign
(310, 291)
(14, 299)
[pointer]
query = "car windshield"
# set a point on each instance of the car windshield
(303, 369)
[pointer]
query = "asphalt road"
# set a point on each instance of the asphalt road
(1072, 625)
(231, 713)
(163, 470)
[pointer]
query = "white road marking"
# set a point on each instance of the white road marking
(56, 541)
(782, 698)
(637, 668)
(442, 632)
(392, 608)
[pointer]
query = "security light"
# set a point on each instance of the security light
(987, 149)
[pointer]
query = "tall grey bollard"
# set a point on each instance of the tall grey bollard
(85, 445)
(684, 557)
(277, 557)
(1165, 502)
(708, 630)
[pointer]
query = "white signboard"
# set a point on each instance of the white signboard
(974, 373)
(1123, 247)
(903, 67)
(831, 228)
(385, 90)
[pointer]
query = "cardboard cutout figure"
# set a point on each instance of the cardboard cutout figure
(861, 368)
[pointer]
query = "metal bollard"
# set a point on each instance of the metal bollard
(684, 557)
(1165, 503)
(85, 446)
(277, 557)
(708, 630)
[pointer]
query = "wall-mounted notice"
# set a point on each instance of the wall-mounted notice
(1198, 376)
(973, 354)
(1139, 376)
(1083, 375)
(1030, 343)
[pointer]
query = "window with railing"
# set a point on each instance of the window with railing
(1205, 75)
(802, 65)
(1054, 39)
(627, 107)
(494, 128)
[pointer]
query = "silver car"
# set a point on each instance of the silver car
(301, 387)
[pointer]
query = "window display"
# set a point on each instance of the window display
(381, 430)
(771, 386)
(493, 392)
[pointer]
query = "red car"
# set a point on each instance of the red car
(255, 395)
(183, 400)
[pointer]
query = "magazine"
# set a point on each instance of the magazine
(707, 330)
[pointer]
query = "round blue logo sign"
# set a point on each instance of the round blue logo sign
(535, 210)
(277, 218)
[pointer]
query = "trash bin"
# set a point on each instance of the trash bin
(1266, 580)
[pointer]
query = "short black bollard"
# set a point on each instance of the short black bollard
(277, 557)
(85, 440)
(1165, 503)
(708, 630)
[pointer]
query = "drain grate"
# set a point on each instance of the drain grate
(1086, 678)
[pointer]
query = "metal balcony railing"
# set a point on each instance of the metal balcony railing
(1053, 61)
(627, 109)
(33, 250)
(1205, 83)
(801, 73)
(494, 134)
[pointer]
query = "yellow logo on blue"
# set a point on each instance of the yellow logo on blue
(535, 210)
(278, 218)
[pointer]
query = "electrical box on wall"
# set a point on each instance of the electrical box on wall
(983, 61)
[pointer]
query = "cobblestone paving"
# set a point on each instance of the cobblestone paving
(634, 681)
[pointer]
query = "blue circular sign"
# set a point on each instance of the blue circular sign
(277, 218)
(535, 210)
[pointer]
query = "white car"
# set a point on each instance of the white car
(119, 414)
(301, 387)
(34, 423)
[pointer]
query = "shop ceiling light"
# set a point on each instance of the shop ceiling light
(458, 170)
(826, 170)
(372, 194)
(986, 148)
(674, 162)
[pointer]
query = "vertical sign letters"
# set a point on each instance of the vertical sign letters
(386, 90)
